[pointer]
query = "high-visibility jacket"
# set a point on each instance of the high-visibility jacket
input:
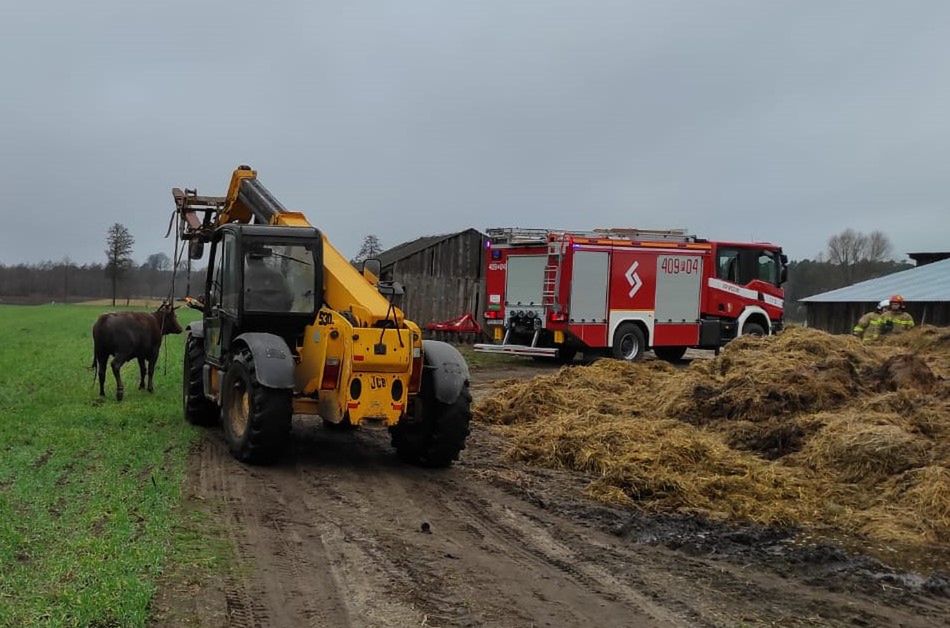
(889, 323)
(863, 323)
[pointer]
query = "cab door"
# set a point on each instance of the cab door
(223, 290)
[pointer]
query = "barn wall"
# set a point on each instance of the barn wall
(444, 280)
(839, 318)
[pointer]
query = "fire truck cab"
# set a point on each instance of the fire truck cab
(552, 293)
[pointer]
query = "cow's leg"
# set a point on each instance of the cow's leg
(142, 376)
(151, 373)
(102, 363)
(117, 363)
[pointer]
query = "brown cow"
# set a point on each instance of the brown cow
(128, 335)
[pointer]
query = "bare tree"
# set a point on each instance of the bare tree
(850, 248)
(371, 248)
(879, 247)
(118, 254)
(154, 269)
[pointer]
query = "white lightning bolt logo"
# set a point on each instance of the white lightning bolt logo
(633, 279)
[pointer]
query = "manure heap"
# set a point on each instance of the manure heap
(804, 429)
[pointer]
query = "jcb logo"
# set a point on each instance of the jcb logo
(377, 382)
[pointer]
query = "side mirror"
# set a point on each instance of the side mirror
(373, 265)
(196, 249)
(784, 274)
(372, 269)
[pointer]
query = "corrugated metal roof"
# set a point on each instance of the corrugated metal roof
(410, 248)
(923, 283)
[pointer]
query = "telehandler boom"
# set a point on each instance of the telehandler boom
(289, 326)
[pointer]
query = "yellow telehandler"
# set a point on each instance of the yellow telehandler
(290, 326)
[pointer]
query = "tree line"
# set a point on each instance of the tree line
(66, 282)
(849, 257)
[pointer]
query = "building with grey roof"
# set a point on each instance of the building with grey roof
(925, 288)
(443, 275)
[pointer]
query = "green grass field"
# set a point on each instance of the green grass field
(89, 489)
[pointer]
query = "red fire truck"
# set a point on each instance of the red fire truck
(622, 291)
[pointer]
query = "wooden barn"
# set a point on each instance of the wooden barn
(443, 275)
(926, 291)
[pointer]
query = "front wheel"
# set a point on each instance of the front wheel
(629, 342)
(198, 409)
(433, 433)
(256, 419)
(753, 329)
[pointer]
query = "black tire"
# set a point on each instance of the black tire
(256, 419)
(754, 329)
(433, 433)
(198, 409)
(629, 343)
(565, 354)
(670, 354)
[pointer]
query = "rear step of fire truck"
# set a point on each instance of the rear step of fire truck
(527, 350)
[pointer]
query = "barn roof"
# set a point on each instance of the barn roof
(410, 248)
(924, 283)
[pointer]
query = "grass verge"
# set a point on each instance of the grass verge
(89, 488)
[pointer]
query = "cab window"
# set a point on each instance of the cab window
(727, 265)
(229, 283)
(768, 267)
(279, 278)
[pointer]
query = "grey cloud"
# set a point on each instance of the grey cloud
(784, 121)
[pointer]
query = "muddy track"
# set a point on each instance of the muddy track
(340, 533)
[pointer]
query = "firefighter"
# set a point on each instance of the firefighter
(894, 320)
(861, 329)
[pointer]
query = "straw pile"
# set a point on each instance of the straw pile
(803, 428)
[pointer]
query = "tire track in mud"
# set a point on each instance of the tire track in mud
(462, 578)
(332, 536)
(296, 588)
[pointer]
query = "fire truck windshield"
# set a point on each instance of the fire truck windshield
(768, 267)
(742, 265)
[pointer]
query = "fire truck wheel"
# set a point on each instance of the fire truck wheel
(753, 329)
(565, 355)
(629, 342)
(670, 354)
(256, 419)
(433, 433)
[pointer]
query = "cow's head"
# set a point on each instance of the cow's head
(167, 319)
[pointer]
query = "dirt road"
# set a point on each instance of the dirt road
(342, 534)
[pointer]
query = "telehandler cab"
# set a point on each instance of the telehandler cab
(289, 326)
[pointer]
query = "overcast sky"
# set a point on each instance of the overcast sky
(781, 121)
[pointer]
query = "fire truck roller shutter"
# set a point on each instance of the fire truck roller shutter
(524, 284)
(589, 287)
(678, 293)
(754, 316)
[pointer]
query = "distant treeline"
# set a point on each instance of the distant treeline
(70, 283)
(61, 282)
(807, 277)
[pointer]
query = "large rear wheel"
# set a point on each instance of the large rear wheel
(256, 419)
(432, 434)
(198, 409)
